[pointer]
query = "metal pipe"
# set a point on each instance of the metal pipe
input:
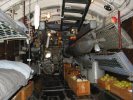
(119, 30)
(47, 43)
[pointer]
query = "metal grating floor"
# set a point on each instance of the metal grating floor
(55, 88)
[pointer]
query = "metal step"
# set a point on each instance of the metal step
(71, 18)
(73, 10)
(81, 11)
(77, 1)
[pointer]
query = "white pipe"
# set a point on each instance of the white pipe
(47, 43)
(37, 16)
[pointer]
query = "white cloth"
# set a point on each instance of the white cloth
(18, 66)
(10, 81)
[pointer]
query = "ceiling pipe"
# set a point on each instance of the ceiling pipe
(24, 13)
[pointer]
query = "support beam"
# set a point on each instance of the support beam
(62, 14)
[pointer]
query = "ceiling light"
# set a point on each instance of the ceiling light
(48, 54)
(96, 47)
(48, 15)
(92, 1)
(27, 41)
(37, 16)
(49, 34)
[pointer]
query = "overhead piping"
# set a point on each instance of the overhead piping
(119, 30)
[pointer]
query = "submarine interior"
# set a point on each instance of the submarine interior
(66, 50)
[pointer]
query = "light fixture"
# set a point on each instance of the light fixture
(49, 34)
(96, 47)
(27, 41)
(48, 54)
(48, 15)
(48, 39)
(37, 16)
(92, 1)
